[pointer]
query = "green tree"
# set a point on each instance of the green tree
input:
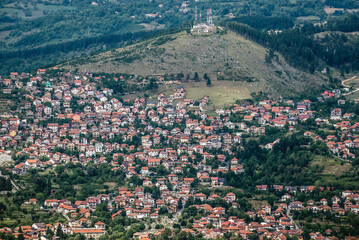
(208, 80)
(196, 77)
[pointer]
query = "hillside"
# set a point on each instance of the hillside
(224, 57)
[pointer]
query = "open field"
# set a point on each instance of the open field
(331, 10)
(354, 96)
(221, 93)
(308, 18)
(331, 166)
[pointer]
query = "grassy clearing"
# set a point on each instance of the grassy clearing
(9, 222)
(308, 18)
(46, 172)
(334, 171)
(111, 185)
(331, 166)
(257, 204)
(331, 10)
(353, 96)
(3, 197)
(221, 93)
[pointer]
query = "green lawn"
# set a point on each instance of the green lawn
(221, 93)
(2, 198)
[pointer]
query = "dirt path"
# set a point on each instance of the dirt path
(346, 80)
(345, 85)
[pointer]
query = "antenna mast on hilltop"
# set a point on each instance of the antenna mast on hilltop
(206, 26)
(209, 17)
(195, 15)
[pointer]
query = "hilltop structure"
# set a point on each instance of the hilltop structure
(200, 27)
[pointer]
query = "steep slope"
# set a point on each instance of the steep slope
(224, 57)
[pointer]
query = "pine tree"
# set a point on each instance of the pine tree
(188, 77)
(196, 77)
(59, 232)
(206, 77)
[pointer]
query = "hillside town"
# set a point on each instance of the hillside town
(174, 159)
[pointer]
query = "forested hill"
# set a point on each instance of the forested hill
(312, 47)
(38, 33)
(223, 56)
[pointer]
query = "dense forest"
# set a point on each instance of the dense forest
(264, 22)
(5, 184)
(342, 3)
(312, 46)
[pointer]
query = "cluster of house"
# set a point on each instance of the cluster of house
(68, 119)
(339, 145)
(272, 225)
(40, 230)
(268, 113)
(92, 127)
(93, 130)
(348, 202)
(215, 222)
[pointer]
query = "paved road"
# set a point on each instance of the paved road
(15, 187)
(290, 216)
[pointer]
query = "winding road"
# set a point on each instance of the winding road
(348, 86)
